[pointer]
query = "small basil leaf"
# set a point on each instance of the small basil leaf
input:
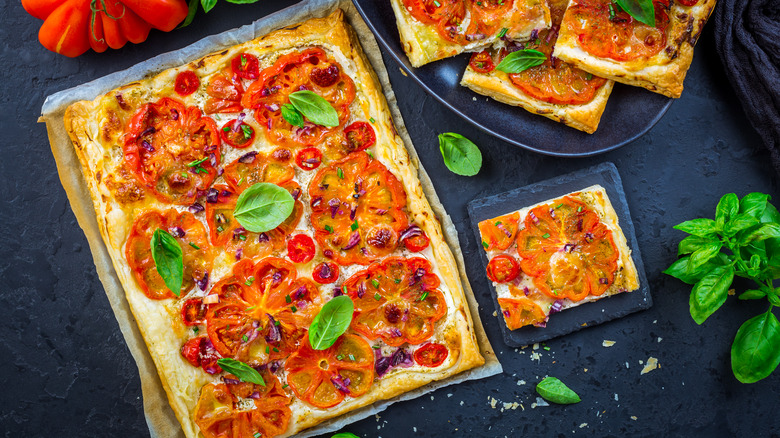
(761, 233)
(754, 353)
(332, 321)
(460, 155)
(774, 299)
(193, 9)
(318, 110)
(702, 255)
(738, 223)
(710, 293)
(753, 204)
(728, 206)
(263, 207)
(553, 390)
(167, 256)
(692, 243)
(771, 214)
(642, 10)
(208, 4)
(345, 435)
(242, 2)
(292, 115)
(752, 294)
(521, 60)
(679, 269)
(244, 372)
(701, 227)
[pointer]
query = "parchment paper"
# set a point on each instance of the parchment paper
(159, 416)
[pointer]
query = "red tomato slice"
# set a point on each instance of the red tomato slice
(187, 82)
(200, 352)
(300, 249)
(246, 66)
(360, 136)
(225, 90)
(325, 273)
(396, 300)
(255, 167)
(482, 62)
(237, 134)
(487, 15)
(193, 312)
(431, 355)
(445, 15)
(309, 158)
(521, 312)
(502, 268)
(499, 233)
(417, 243)
(192, 238)
(323, 378)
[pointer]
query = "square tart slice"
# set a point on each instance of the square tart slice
(598, 37)
(556, 89)
(436, 29)
(556, 255)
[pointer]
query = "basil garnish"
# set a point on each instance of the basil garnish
(460, 155)
(241, 370)
(332, 321)
(318, 110)
(292, 115)
(754, 354)
(553, 390)
(520, 60)
(263, 207)
(641, 10)
(345, 435)
(167, 256)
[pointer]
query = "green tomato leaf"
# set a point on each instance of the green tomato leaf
(521, 60)
(753, 204)
(292, 115)
(460, 155)
(679, 269)
(710, 293)
(318, 110)
(208, 5)
(263, 207)
(701, 227)
(728, 207)
(642, 10)
(167, 255)
(244, 372)
(692, 243)
(754, 353)
(761, 233)
(345, 435)
(752, 294)
(332, 321)
(738, 223)
(553, 390)
(702, 255)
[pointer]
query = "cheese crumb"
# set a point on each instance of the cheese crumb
(541, 402)
(520, 382)
(607, 343)
(659, 339)
(583, 425)
(633, 417)
(493, 402)
(652, 363)
(494, 313)
(536, 346)
(536, 356)
(403, 72)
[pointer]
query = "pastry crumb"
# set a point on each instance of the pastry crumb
(606, 343)
(403, 72)
(633, 417)
(520, 382)
(652, 363)
(493, 402)
(583, 425)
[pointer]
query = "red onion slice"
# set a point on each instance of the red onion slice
(412, 231)
(354, 239)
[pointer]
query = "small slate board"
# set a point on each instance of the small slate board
(590, 314)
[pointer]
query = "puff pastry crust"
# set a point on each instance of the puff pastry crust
(96, 129)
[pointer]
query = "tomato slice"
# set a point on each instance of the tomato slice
(323, 378)
(200, 352)
(521, 312)
(246, 66)
(396, 300)
(482, 62)
(173, 150)
(193, 312)
(325, 273)
(312, 70)
(416, 242)
(567, 250)
(187, 82)
(225, 90)
(222, 412)
(487, 15)
(357, 209)
(254, 167)
(499, 233)
(502, 268)
(197, 254)
(444, 15)
(309, 158)
(431, 355)
(300, 248)
(360, 136)
(238, 134)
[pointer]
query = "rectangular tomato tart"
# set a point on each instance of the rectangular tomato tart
(555, 255)
(599, 37)
(435, 29)
(554, 89)
(272, 236)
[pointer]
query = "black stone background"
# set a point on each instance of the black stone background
(65, 369)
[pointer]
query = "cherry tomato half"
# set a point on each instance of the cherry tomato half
(309, 158)
(193, 312)
(187, 82)
(502, 268)
(360, 136)
(239, 136)
(482, 62)
(417, 243)
(325, 273)
(300, 249)
(431, 355)
(246, 66)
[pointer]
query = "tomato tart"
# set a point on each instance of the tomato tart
(556, 255)
(243, 193)
(599, 37)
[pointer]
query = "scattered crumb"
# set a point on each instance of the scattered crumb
(461, 402)
(520, 382)
(511, 406)
(606, 343)
(616, 397)
(449, 395)
(732, 292)
(494, 313)
(583, 425)
(633, 417)
(414, 429)
(474, 99)
(584, 324)
(536, 356)
(536, 346)
(626, 364)
(431, 397)
(585, 370)
(403, 72)
(640, 362)
(652, 363)
(541, 402)
(493, 402)
(659, 339)
(655, 321)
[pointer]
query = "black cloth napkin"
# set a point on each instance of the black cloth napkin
(747, 38)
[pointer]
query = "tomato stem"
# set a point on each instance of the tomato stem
(95, 10)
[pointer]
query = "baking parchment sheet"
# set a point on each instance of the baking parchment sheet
(159, 416)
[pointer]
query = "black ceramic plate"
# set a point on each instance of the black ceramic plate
(585, 315)
(630, 112)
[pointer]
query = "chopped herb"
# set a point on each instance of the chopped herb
(195, 330)
(288, 299)
(242, 236)
(579, 209)
(502, 33)
(369, 154)
(344, 289)
(397, 280)
(375, 283)
(249, 309)
(276, 350)
(226, 129)
(240, 180)
(376, 347)
(294, 309)
(546, 348)
(559, 206)
(249, 281)
(498, 223)
(340, 357)
(352, 357)
(340, 173)
(258, 434)
(194, 246)
(589, 77)
(220, 229)
(377, 296)
(285, 386)
(277, 323)
(546, 235)
(244, 338)
(267, 349)
(435, 2)
(423, 296)
(371, 119)
(243, 60)
(354, 225)
(485, 244)
(329, 229)
(197, 163)
(247, 130)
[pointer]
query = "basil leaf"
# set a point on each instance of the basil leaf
(752, 294)
(263, 207)
(728, 206)
(208, 4)
(761, 233)
(553, 390)
(167, 256)
(244, 372)
(642, 10)
(692, 243)
(332, 321)
(774, 299)
(679, 269)
(710, 293)
(292, 115)
(772, 245)
(460, 155)
(242, 2)
(754, 353)
(521, 60)
(753, 204)
(701, 227)
(193, 9)
(738, 223)
(703, 255)
(345, 435)
(318, 110)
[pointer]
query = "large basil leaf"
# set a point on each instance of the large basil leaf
(318, 110)
(728, 207)
(553, 390)
(332, 321)
(771, 214)
(761, 233)
(679, 269)
(521, 60)
(755, 353)
(753, 204)
(741, 221)
(702, 255)
(642, 10)
(692, 243)
(710, 293)
(701, 227)
(460, 155)
(263, 207)
(241, 370)
(167, 256)
(345, 435)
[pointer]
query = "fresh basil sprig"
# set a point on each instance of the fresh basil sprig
(263, 207)
(345, 435)
(292, 115)
(460, 154)
(241, 370)
(332, 321)
(318, 110)
(641, 10)
(167, 256)
(207, 5)
(742, 241)
(553, 390)
(521, 60)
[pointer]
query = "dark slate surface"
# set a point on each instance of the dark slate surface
(66, 370)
